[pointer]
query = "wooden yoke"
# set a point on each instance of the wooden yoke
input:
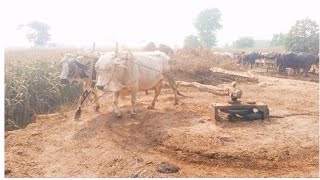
(91, 64)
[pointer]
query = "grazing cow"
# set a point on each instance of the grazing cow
(268, 60)
(133, 72)
(74, 71)
(250, 58)
(306, 61)
(259, 62)
(285, 60)
(296, 61)
(238, 56)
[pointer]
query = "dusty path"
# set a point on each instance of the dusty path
(100, 145)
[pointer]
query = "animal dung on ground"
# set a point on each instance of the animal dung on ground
(166, 167)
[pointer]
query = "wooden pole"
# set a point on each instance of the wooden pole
(91, 63)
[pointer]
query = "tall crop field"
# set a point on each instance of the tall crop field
(32, 85)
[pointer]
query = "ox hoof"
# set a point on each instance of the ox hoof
(151, 107)
(133, 114)
(97, 108)
(118, 115)
(176, 103)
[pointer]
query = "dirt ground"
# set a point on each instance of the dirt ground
(101, 145)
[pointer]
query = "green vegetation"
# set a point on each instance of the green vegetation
(32, 86)
(244, 42)
(207, 23)
(303, 37)
(278, 40)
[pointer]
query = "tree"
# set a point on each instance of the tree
(303, 37)
(37, 33)
(207, 23)
(278, 40)
(191, 41)
(244, 42)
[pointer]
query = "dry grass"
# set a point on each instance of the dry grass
(193, 60)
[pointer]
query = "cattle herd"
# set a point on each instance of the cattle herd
(280, 61)
(123, 72)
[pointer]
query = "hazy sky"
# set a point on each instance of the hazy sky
(139, 21)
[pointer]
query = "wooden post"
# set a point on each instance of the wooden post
(91, 63)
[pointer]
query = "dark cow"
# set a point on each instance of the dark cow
(270, 60)
(307, 60)
(296, 61)
(74, 71)
(287, 60)
(249, 59)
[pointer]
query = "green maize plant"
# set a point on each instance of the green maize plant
(32, 86)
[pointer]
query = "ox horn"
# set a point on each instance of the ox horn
(117, 48)
(93, 47)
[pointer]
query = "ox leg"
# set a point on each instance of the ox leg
(115, 103)
(173, 85)
(296, 72)
(305, 71)
(157, 90)
(81, 100)
(95, 94)
(313, 69)
(134, 93)
(146, 92)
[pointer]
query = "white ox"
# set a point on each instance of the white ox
(126, 71)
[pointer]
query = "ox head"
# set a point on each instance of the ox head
(69, 68)
(110, 67)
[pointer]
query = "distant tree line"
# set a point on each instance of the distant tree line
(302, 37)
